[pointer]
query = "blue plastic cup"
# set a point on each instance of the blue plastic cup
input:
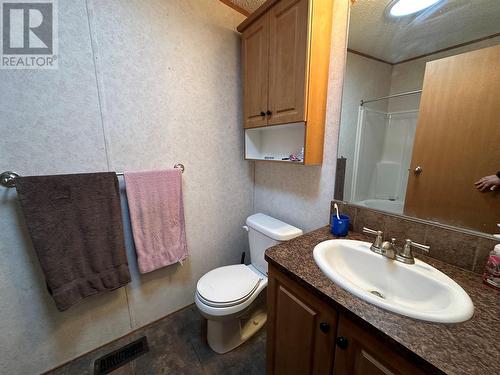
(340, 227)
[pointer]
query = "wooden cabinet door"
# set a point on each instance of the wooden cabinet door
(301, 329)
(457, 141)
(288, 50)
(364, 354)
(255, 65)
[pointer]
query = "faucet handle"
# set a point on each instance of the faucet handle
(372, 231)
(410, 244)
(406, 255)
(378, 233)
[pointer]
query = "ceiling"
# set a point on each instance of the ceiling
(248, 5)
(449, 23)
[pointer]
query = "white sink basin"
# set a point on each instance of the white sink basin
(418, 290)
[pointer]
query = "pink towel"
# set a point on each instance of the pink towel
(157, 215)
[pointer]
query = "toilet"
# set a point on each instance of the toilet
(232, 298)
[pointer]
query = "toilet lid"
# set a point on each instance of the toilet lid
(228, 284)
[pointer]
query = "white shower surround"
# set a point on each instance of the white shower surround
(363, 187)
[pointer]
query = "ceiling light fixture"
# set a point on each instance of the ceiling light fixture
(405, 7)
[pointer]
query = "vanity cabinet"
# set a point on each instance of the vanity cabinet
(360, 353)
(285, 47)
(301, 329)
(306, 335)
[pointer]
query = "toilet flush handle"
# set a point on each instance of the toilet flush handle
(245, 227)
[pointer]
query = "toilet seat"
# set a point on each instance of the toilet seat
(226, 304)
(227, 286)
(214, 305)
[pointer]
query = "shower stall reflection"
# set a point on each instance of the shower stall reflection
(382, 155)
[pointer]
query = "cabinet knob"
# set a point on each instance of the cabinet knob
(324, 327)
(342, 342)
(262, 113)
(269, 113)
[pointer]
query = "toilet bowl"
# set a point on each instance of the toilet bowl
(232, 298)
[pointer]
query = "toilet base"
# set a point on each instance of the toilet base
(226, 335)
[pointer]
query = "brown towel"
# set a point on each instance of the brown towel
(75, 224)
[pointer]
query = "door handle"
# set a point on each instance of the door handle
(417, 170)
(269, 113)
(262, 113)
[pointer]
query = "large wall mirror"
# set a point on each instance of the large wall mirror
(420, 124)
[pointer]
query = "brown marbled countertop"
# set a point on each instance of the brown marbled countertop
(471, 347)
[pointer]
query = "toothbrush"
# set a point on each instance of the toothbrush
(336, 210)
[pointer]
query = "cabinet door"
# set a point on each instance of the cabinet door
(360, 353)
(255, 61)
(301, 329)
(287, 61)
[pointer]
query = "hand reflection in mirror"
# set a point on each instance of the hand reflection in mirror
(489, 183)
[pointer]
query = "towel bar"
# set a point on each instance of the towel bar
(8, 179)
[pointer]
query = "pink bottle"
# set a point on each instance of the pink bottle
(491, 276)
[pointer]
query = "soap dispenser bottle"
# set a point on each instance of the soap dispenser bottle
(491, 275)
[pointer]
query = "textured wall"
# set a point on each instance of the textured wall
(298, 194)
(410, 76)
(140, 85)
(364, 79)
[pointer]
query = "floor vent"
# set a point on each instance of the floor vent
(120, 357)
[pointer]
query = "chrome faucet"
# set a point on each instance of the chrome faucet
(380, 246)
(375, 247)
(406, 255)
(388, 249)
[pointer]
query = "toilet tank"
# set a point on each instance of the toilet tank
(263, 232)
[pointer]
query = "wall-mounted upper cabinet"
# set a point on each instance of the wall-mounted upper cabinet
(255, 52)
(285, 62)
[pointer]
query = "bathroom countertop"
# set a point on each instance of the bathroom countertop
(467, 348)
